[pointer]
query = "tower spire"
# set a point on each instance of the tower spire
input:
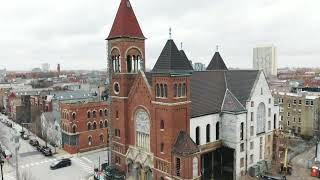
(181, 45)
(170, 33)
(217, 48)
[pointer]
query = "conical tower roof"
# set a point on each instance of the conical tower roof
(217, 63)
(125, 23)
(171, 60)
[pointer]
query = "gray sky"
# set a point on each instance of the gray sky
(72, 32)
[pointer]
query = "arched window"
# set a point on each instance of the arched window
(94, 113)
(94, 125)
(198, 135)
(175, 89)
(261, 118)
(165, 92)
(158, 90)
(217, 131)
(101, 124)
(129, 63)
(161, 90)
(162, 125)
(89, 140)
(162, 147)
(179, 90)
(101, 138)
(106, 112)
(89, 114)
(73, 116)
(208, 133)
(89, 126)
(184, 89)
(100, 113)
(74, 129)
(105, 124)
(142, 127)
(241, 131)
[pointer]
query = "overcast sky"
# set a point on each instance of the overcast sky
(72, 32)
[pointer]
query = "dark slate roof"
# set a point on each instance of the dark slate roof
(184, 145)
(207, 92)
(208, 89)
(231, 103)
(149, 77)
(171, 60)
(241, 82)
(125, 23)
(217, 63)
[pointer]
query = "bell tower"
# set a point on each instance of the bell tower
(126, 51)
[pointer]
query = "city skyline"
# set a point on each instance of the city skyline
(52, 33)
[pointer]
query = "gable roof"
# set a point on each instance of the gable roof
(217, 63)
(171, 60)
(125, 23)
(184, 145)
(231, 103)
(208, 89)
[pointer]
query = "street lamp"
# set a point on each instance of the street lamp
(1, 163)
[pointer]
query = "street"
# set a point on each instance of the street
(36, 165)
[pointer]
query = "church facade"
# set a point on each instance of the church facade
(175, 123)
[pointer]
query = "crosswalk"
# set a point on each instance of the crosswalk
(85, 166)
(10, 176)
(37, 163)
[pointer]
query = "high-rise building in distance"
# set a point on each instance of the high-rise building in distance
(265, 58)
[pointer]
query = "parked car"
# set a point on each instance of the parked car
(6, 154)
(114, 174)
(60, 163)
(38, 147)
(25, 137)
(269, 177)
(44, 148)
(47, 152)
(33, 142)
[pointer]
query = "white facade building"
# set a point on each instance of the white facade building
(265, 58)
(245, 127)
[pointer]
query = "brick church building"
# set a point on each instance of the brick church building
(174, 123)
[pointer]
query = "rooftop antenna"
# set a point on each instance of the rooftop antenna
(181, 45)
(170, 33)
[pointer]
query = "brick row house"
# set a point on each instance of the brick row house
(174, 123)
(84, 125)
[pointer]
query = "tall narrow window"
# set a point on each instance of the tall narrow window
(161, 90)
(162, 125)
(241, 131)
(178, 166)
(94, 125)
(198, 135)
(94, 113)
(89, 126)
(217, 131)
(179, 90)
(162, 147)
(158, 90)
(73, 116)
(275, 121)
(100, 113)
(101, 138)
(101, 124)
(183, 89)
(208, 133)
(117, 114)
(89, 140)
(129, 64)
(74, 129)
(175, 89)
(89, 114)
(106, 113)
(165, 93)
